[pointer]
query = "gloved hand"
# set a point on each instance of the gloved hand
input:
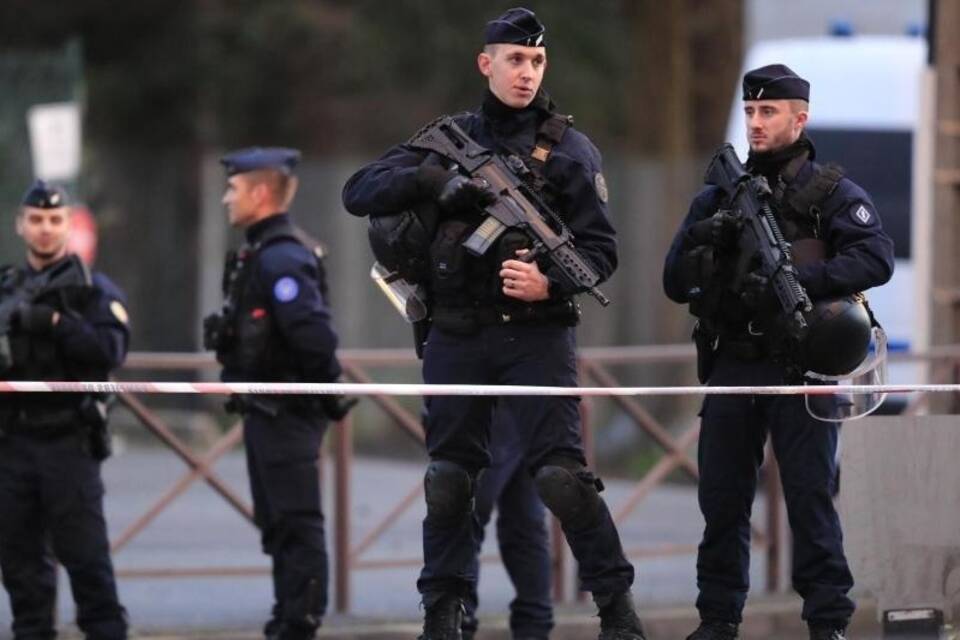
(337, 407)
(461, 193)
(755, 288)
(213, 335)
(34, 318)
(721, 230)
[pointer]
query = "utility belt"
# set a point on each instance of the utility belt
(470, 319)
(304, 406)
(43, 423)
(744, 347)
(271, 407)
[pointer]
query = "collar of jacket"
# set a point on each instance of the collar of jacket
(771, 163)
(257, 229)
(505, 117)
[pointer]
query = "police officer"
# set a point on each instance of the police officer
(521, 531)
(275, 327)
(840, 249)
(57, 322)
(499, 319)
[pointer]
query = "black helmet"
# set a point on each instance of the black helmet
(400, 242)
(838, 336)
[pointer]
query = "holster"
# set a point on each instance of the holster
(421, 330)
(93, 414)
(706, 342)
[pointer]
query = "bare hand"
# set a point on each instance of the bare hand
(523, 280)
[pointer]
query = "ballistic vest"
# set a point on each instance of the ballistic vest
(252, 345)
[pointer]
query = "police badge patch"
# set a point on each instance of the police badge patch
(285, 289)
(600, 184)
(862, 215)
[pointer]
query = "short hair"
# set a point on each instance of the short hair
(277, 183)
(797, 105)
(491, 49)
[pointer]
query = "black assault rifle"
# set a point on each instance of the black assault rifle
(516, 205)
(68, 281)
(761, 238)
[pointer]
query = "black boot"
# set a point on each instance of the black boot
(271, 630)
(296, 632)
(714, 630)
(827, 632)
(618, 620)
(469, 626)
(442, 619)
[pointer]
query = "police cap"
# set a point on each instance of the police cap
(279, 159)
(42, 195)
(775, 82)
(516, 26)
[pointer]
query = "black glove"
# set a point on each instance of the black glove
(213, 331)
(461, 193)
(33, 318)
(337, 407)
(754, 289)
(720, 230)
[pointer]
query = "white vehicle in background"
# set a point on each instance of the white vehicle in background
(865, 114)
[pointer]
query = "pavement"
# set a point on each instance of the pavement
(200, 530)
(765, 618)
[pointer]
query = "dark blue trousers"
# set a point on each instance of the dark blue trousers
(734, 430)
(282, 454)
(521, 528)
(458, 430)
(51, 509)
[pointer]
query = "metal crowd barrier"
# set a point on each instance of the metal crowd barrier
(595, 370)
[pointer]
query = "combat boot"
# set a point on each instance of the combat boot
(827, 632)
(442, 619)
(618, 620)
(469, 626)
(285, 631)
(715, 630)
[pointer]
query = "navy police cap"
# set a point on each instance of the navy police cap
(280, 159)
(44, 196)
(516, 26)
(775, 82)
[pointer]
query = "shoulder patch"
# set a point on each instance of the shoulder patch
(600, 184)
(286, 289)
(119, 312)
(862, 216)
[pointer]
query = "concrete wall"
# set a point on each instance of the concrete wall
(899, 498)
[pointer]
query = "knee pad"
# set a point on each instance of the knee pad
(449, 493)
(571, 492)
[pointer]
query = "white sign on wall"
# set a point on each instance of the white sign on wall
(55, 140)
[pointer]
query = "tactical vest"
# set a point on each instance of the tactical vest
(800, 214)
(251, 344)
(67, 287)
(466, 289)
(799, 207)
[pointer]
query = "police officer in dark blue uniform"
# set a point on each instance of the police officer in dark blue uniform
(498, 319)
(275, 326)
(839, 249)
(57, 322)
(521, 531)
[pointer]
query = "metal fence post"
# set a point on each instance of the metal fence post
(343, 460)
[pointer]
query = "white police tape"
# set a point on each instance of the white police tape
(375, 389)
